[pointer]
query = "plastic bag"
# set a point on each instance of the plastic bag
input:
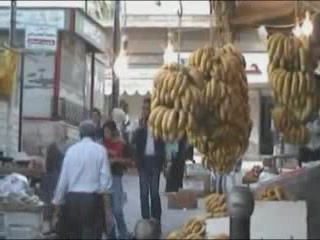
(14, 184)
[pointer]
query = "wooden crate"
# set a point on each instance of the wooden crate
(184, 199)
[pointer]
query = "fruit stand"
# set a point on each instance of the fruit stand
(202, 99)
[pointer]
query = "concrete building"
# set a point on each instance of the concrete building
(61, 83)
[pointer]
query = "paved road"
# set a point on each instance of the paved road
(171, 219)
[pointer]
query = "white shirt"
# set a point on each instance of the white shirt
(149, 151)
(85, 169)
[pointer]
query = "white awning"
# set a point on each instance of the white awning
(140, 81)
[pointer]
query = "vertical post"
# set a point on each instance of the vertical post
(92, 85)
(240, 207)
(21, 86)
(12, 31)
(86, 6)
(116, 47)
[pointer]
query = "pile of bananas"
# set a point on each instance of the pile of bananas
(274, 193)
(222, 123)
(216, 205)
(8, 72)
(194, 229)
(294, 87)
(175, 98)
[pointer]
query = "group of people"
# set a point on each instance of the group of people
(86, 177)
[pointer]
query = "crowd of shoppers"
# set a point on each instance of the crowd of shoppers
(89, 197)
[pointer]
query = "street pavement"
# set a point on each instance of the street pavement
(171, 219)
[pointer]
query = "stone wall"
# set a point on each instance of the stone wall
(37, 135)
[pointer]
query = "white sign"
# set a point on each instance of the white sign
(41, 38)
(40, 17)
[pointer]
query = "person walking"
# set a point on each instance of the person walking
(119, 156)
(85, 178)
(149, 156)
(54, 159)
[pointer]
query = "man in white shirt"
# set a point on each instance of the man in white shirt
(84, 178)
(149, 156)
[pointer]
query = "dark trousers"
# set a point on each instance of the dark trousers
(175, 176)
(149, 178)
(81, 215)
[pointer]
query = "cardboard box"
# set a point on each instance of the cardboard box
(184, 199)
(200, 185)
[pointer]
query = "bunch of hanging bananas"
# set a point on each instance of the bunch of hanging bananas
(175, 98)
(294, 87)
(274, 193)
(193, 229)
(222, 123)
(216, 205)
(8, 72)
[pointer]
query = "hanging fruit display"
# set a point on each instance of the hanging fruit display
(294, 88)
(175, 98)
(208, 101)
(223, 125)
(8, 72)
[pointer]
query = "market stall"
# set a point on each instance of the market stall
(295, 94)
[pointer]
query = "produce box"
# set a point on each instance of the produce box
(200, 185)
(184, 199)
(21, 225)
(270, 220)
(195, 169)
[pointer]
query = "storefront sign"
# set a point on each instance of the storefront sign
(90, 31)
(41, 38)
(38, 17)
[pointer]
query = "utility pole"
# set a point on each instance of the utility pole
(116, 48)
(12, 34)
(13, 17)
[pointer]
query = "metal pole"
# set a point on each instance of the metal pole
(21, 102)
(86, 6)
(116, 48)
(12, 32)
(240, 208)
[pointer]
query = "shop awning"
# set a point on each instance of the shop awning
(140, 81)
(254, 13)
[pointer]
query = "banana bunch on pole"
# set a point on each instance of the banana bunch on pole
(8, 71)
(294, 88)
(222, 123)
(175, 98)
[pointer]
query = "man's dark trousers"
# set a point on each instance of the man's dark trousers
(81, 215)
(149, 178)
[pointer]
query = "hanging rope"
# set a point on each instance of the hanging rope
(211, 30)
(180, 14)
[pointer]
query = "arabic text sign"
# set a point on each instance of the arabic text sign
(41, 38)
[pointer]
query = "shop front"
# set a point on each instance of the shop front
(61, 70)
